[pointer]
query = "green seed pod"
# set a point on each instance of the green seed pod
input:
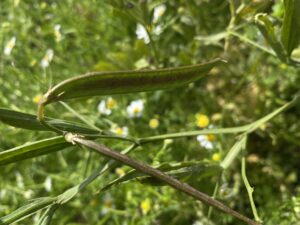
(120, 82)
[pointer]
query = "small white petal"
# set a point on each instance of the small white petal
(158, 12)
(9, 46)
(135, 108)
(141, 33)
(204, 142)
(47, 58)
(48, 184)
(103, 109)
(57, 32)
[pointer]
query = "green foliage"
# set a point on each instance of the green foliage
(290, 32)
(44, 43)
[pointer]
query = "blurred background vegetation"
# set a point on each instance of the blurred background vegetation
(44, 42)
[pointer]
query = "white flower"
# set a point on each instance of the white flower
(105, 106)
(141, 33)
(57, 33)
(157, 30)
(47, 58)
(158, 12)
(135, 109)
(205, 142)
(122, 131)
(48, 184)
(103, 109)
(9, 46)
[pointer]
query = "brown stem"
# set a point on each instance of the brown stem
(163, 177)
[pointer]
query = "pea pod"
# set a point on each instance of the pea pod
(120, 82)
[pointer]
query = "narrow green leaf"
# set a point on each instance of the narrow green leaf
(183, 170)
(33, 150)
(290, 31)
(234, 152)
(26, 210)
(47, 216)
(30, 122)
(267, 29)
(120, 82)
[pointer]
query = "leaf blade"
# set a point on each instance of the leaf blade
(26, 210)
(29, 122)
(290, 31)
(33, 150)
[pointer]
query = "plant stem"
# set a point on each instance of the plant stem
(41, 117)
(228, 130)
(163, 177)
(249, 190)
(217, 185)
(70, 109)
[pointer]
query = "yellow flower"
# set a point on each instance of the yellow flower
(202, 120)
(216, 157)
(153, 123)
(145, 206)
(111, 103)
(36, 99)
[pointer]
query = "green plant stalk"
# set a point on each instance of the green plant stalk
(231, 24)
(249, 41)
(153, 45)
(91, 125)
(216, 189)
(161, 176)
(47, 216)
(27, 210)
(229, 130)
(250, 191)
(41, 116)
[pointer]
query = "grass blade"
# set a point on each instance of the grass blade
(267, 29)
(26, 210)
(178, 170)
(30, 122)
(290, 31)
(32, 150)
